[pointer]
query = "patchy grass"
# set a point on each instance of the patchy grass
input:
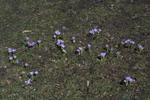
(65, 76)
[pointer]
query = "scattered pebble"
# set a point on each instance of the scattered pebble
(88, 47)
(5, 66)
(26, 31)
(118, 53)
(27, 38)
(26, 65)
(11, 54)
(73, 39)
(88, 83)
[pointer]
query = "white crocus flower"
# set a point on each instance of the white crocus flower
(10, 58)
(36, 72)
(31, 73)
(39, 41)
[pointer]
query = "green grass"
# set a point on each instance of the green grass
(65, 76)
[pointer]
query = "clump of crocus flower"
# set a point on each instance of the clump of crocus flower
(31, 43)
(11, 51)
(128, 42)
(94, 31)
(11, 54)
(127, 80)
(31, 76)
(132, 43)
(56, 34)
(12, 57)
(61, 45)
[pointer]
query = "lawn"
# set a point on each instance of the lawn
(70, 76)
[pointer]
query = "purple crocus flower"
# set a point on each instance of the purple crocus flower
(11, 50)
(28, 82)
(31, 44)
(141, 47)
(127, 79)
(60, 43)
(57, 32)
(103, 54)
